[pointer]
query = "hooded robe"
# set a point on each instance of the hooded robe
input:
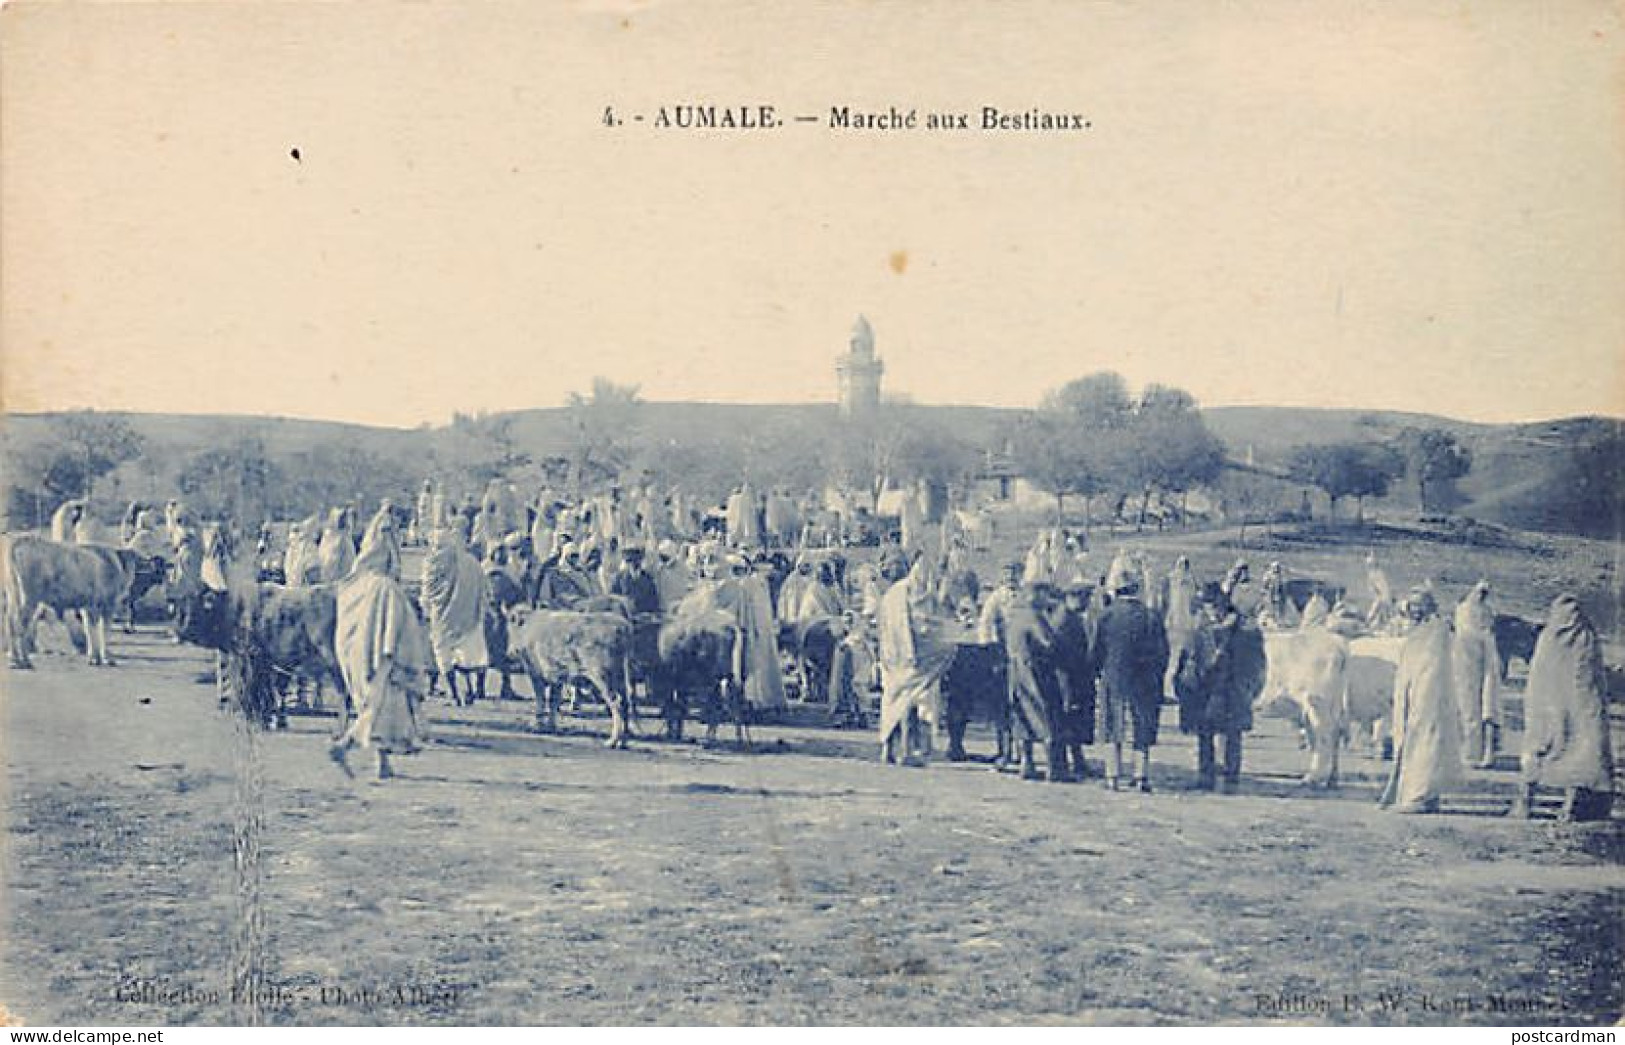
(1427, 728)
(1565, 705)
(216, 558)
(301, 562)
(781, 517)
(1275, 610)
(680, 517)
(914, 655)
(748, 600)
(1315, 612)
(1477, 666)
(1381, 614)
(911, 521)
(145, 540)
(336, 553)
(743, 520)
(424, 520)
(500, 512)
(820, 600)
(1040, 564)
(187, 573)
(790, 592)
(454, 600)
(382, 651)
(1123, 571)
(1179, 621)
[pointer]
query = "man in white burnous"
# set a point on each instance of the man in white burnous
(382, 651)
(914, 655)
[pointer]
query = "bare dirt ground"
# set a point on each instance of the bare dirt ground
(508, 878)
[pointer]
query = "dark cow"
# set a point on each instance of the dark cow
(813, 643)
(1514, 639)
(271, 636)
(975, 686)
(619, 606)
(700, 651)
(90, 580)
(146, 573)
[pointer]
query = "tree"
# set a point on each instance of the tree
(1174, 449)
(901, 444)
(30, 497)
(63, 462)
(78, 449)
(1350, 469)
(1099, 402)
(97, 445)
(327, 476)
(929, 452)
(1434, 460)
(1059, 456)
(238, 480)
(1090, 437)
(1078, 443)
(603, 422)
(705, 465)
(788, 453)
(898, 443)
(479, 448)
(1250, 493)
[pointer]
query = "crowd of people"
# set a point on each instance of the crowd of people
(823, 602)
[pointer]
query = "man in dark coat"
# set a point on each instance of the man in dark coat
(1074, 664)
(1035, 686)
(1131, 654)
(1219, 675)
(637, 585)
(502, 592)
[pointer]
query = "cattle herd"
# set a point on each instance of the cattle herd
(642, 602)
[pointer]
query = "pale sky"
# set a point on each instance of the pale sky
(1414, 206)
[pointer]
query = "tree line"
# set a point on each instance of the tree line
(1432, 458)
(1090, 438)
(1090, 443)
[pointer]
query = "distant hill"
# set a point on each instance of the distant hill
(1522, 474)
(1271, 432)
(184, 433)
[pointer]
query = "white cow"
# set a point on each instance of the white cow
(90, 581)
(1368, 708)
(1307, 680)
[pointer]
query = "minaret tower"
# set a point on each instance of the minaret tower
(859, 374)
